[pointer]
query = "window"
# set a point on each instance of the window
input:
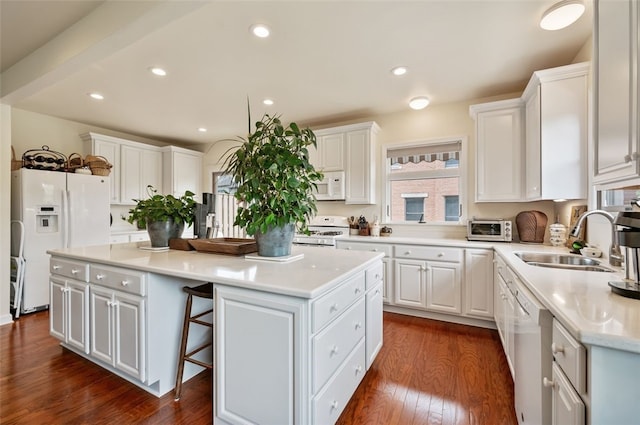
(423, 182)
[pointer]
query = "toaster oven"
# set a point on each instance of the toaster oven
(496, 230)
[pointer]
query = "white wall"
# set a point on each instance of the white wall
(5, 212)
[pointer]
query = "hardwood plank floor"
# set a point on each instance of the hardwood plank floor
(428, 372)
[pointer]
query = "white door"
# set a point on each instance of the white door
(444, 287)
(410, 288)
(88, 206)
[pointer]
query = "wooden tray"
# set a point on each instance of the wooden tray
(181, 244)
(229, 246)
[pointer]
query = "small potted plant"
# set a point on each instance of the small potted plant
(276, 183)
(164, 216)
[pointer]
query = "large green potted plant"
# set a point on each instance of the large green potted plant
(276, 183)
(164, 216)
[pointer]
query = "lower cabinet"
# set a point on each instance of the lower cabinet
(478, 283)
(69, 312)
(566, 406)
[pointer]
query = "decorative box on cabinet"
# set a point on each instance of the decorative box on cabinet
(182, 171)
(499, 144)
(556, 122)
(616, 60)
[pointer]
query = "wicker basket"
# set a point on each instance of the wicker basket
(99, 165)
(16, 164)
(74, 161)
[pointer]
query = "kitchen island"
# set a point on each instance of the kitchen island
(292, 339)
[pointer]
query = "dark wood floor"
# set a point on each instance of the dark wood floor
(428, 372)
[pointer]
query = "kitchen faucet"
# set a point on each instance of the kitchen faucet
(615, 255)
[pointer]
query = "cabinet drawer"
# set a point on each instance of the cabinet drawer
(335, 302)
(333, 344)
(373, 275)
(329, 404)
(433, 253)
(570, 355)
(121, 279)
(73, 269)
(139, 237)
(360, 246)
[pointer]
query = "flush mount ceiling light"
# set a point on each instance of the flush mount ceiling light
(260, 30)
(562, 14)
(158, 71)
(418, 103)
(268, 102)
(399, 70)
(96, 96)
(202, 129)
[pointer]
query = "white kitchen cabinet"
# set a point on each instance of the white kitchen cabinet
(410, 283)
(69, 312)
(109, 148)
(567, 408)
(374, 321)
(350, 148)
(443, 287)
(616, 92)
(329, 152)
(504, 312)
(499, 144)
(478, 283)
(182, 171)
(556, 129)
(139, 167)
(387, 262)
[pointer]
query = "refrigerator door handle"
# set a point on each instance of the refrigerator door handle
(65, 219)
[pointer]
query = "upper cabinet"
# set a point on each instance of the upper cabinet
(499, 140)
(616, 92)
(535, 147)
(556, 133)
(349, 148)
(136, 165)
(182, 171)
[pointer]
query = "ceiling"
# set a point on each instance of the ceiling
(326, 61)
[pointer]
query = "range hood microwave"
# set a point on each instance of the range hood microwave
(331, 187)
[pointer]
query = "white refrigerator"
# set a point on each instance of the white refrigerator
(58, 210)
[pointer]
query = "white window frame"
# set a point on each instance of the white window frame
(460, 172)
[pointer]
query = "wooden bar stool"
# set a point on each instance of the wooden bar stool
(202, 291)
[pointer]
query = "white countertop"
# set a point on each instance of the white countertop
(581, 300)
(316, 273)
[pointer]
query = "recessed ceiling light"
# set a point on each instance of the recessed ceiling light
(202, 129)
(418, 103)
(96, 96)
(158, 71)
(399, 70)
(562, 14)
(268, 102)
(260, 30)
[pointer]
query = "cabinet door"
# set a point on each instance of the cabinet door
(150, 171)
(57, 309)
(129, 334)
(359, 176)
(532, 147)
(509, 326)
(409, 282)
(499, 155)
(444, 287)
(78, 315)
(616, 56)
(101, 324)
(331, 150)
(387, 285)
(111, 151)
(373, 322)
(566, 406)
(479, 283)
(186, 172)
(130, 182)
(499, 303)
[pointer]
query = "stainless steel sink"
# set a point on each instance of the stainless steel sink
(562, 261)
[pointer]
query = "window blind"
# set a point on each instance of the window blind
(427, 153)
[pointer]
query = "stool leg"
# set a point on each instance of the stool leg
(183, 347)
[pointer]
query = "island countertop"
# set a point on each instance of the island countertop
(317, 272)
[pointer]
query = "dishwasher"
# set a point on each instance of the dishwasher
(533, 358)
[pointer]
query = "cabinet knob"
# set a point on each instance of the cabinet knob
(378, 277)
(75, 271)
(441, 254)
(407, 253)
(334, 405)
(62, 289)
(357, 290)
(125, 283)
(333, 308)
(358, 325)
(56, 267)
(334, 350)
(348, 248)
(359, 369)
(555, 348)
(377, 291)
(548, 382)
(99, 276)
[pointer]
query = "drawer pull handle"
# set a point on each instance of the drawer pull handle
(375, 250)
(334, 405)
(75, 271)
(333, 308)
(125, 283)
(441, 254)
(407, 253)
(56, 267)
(555, 348)
(334, 350)
(99, 276)
(548, 383)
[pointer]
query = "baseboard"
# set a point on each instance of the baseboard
(6, 319)
(461, 320)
